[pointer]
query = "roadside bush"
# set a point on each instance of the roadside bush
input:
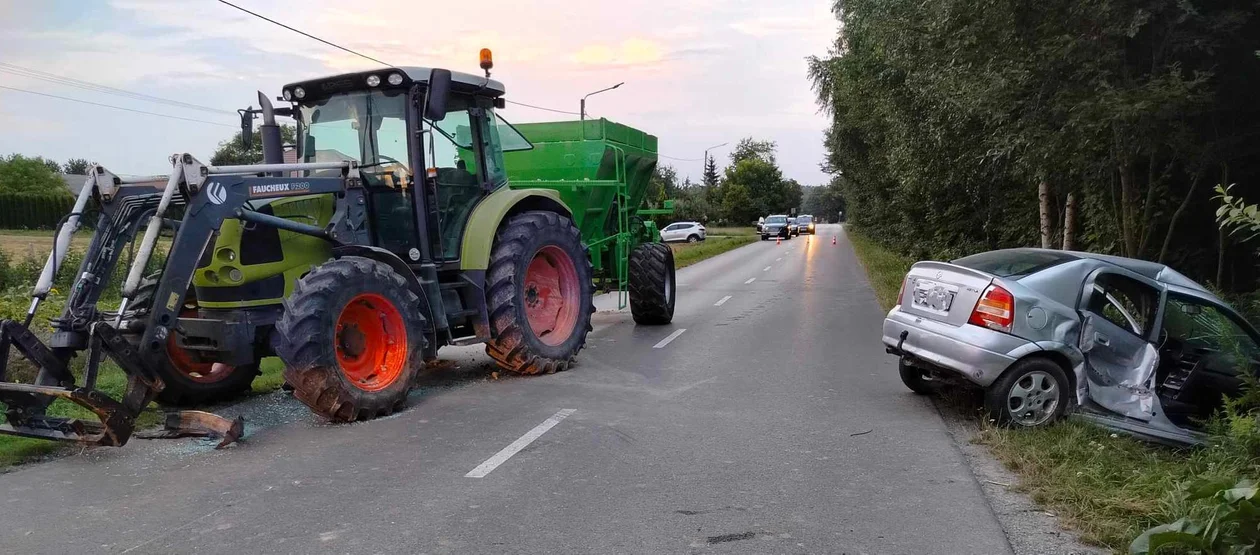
(1230, 526)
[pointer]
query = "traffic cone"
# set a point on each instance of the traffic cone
(833, 240)
(778, 240)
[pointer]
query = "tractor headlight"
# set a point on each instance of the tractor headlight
(299, 92)
(395, 79)
(288, 94)
(373, 80)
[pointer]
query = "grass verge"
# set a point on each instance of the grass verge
(730, 231)
(686, 254)
(885, 269)
(1107, 486)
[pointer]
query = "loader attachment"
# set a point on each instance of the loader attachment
(137, 337)
(26, 404)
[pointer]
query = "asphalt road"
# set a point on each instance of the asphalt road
(774, 423)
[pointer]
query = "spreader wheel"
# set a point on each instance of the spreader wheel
(351, 338)
(652, 286)
(539, 294)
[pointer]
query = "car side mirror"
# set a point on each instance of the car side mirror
(439, 92)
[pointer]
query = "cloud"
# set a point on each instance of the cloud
(631, 52)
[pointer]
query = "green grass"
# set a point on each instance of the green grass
(1108, 487)
(885, 269)
(686, 254)
(730, 231)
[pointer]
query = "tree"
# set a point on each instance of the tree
(957, 126)
(760, 187)
(233, 152)
(749, 148)
(738, 205)
(77, 166)
(710, 178)
(23, 174)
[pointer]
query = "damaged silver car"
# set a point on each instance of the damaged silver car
(1130, 344)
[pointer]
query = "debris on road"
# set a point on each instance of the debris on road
(196, 423)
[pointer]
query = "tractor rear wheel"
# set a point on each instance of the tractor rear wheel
(539, 294)
(352, 339)
(652, 286)
(190, 380)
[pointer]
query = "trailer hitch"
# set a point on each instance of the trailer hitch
(26, 405)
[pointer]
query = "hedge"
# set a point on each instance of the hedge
(33, 210)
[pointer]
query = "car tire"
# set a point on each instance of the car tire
(765, 237)
(1039, 390)
(914, 380)
(693, 238)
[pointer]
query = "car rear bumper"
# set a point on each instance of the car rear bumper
(976, 354)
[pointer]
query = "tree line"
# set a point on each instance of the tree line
(961, 126)
(750, 186)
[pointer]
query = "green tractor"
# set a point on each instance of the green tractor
(409, 216)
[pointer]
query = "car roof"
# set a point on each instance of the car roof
(1153, 270)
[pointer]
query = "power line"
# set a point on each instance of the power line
(265, 18)
(681, 159)
(114, 107)
(361, 55)
(96, 87)
(541, 108)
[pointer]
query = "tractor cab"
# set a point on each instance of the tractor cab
(400, 123)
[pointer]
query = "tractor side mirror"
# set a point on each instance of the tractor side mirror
(247, 127)
(439, 92)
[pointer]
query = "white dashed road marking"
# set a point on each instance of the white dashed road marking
(779, 259)
(722, 301)
(522, 442)
(750, 280)
(766, 269)
(669, 338)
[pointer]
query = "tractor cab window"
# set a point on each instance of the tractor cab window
(456, 147)
(368, 127)
(452, 157)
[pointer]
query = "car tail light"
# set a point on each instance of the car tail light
(902, 292)
(995, 310)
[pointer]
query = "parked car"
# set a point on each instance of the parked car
(775, 226)
(805, 224)
(793, 230)
(683, 231)
(1132, 345)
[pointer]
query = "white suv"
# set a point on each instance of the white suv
(683, 231)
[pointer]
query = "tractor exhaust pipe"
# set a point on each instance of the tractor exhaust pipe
(272, 146)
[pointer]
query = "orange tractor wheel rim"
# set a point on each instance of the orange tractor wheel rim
(371, 342)
(196, 370)
(552, 295)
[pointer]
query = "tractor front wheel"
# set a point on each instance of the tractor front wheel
(189, 379)
(652, 286)
(539, 294)
(352, 339)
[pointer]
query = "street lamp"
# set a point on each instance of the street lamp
(706, 153)
(582, 111)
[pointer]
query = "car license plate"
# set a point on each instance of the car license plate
(934, 296)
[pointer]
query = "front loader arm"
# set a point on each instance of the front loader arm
(211, 194)
(219, 193)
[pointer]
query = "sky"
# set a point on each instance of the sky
(697, 72)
